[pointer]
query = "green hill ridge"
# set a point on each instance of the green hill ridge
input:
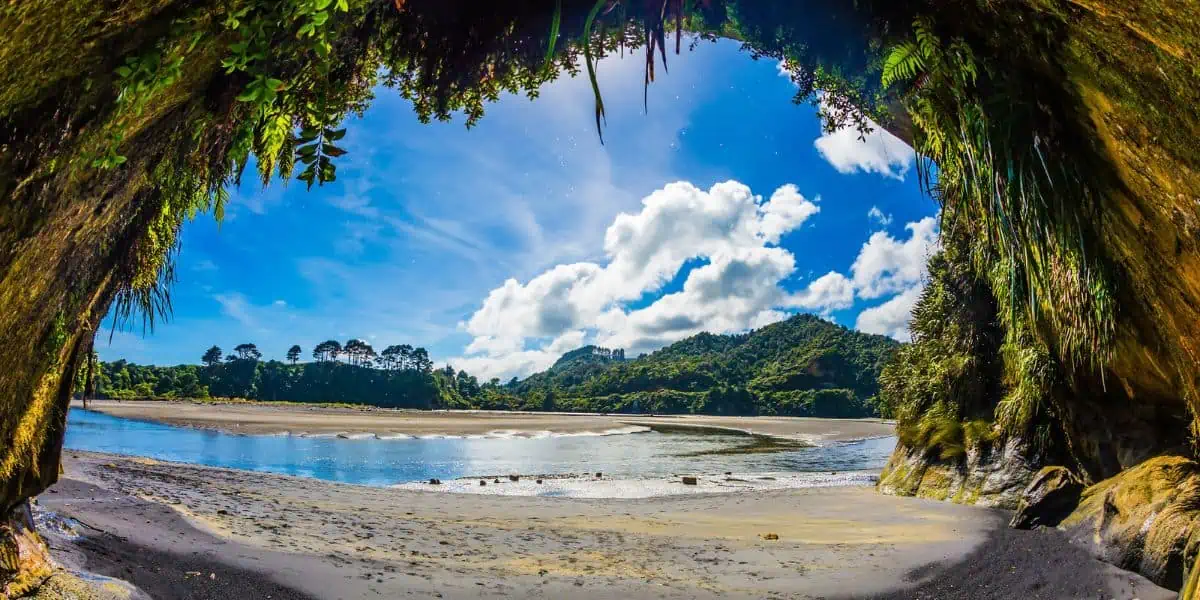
(802, 366)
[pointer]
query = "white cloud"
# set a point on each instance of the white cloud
(892, 317)
(879, 217)
(731, 293)
(546, 306)
(876, 152)
(830, 291)
(886, 265)
(521, 328)
(524, 327)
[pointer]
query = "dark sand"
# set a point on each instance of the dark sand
(252, 535)
(1025, 564)
(168, 558)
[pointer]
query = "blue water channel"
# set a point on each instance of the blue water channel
(387, 462)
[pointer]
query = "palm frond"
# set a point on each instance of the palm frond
(591, 67)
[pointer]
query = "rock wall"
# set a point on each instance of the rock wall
(983, 477)
(1123, 428)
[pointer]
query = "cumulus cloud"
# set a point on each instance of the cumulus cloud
(880, 152)
(830, 291)
(522, 327)
(886, 265)
(876, 152)
(892, 317)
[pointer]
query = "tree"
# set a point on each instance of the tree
(356, 351)
(390, 357)
(421, 362)
(247, 352)
(293, 353)
(327, 351)
(212, 356)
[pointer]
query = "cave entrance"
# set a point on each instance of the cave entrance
(117, 127)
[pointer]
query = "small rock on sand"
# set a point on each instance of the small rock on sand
(514, 477)
(689, 480)
(482, 482)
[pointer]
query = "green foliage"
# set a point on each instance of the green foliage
(244, 375)
(209, 87)
(903, 63)
(804, 366)
(1003, 175)
(212, 356)
(968, 379)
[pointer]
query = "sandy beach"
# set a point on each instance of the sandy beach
(266, 418)
(183, 531)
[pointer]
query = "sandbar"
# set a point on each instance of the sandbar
(299, 419)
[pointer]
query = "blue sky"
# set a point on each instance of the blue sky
(500, 247)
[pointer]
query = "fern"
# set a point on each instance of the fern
(926, 39)
(903, 63)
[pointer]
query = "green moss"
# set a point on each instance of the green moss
(1147, 518)
(57, 338)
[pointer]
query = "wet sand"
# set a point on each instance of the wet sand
(315, 539)
(266, 418)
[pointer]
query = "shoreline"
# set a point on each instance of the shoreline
(322, 421)
(317, 539)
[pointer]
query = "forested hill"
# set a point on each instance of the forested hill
(804, 366)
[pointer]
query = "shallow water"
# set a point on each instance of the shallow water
(631, 456)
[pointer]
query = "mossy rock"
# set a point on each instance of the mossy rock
(1144, 519)
(62, 585)
(994, 479)
(24, 558)
(1050, 497)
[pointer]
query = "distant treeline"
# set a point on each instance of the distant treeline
(398, 377)
(803, 366)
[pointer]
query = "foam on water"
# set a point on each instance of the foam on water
(498, 434)
(588, 486)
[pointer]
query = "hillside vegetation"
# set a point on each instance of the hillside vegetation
(804, 366)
